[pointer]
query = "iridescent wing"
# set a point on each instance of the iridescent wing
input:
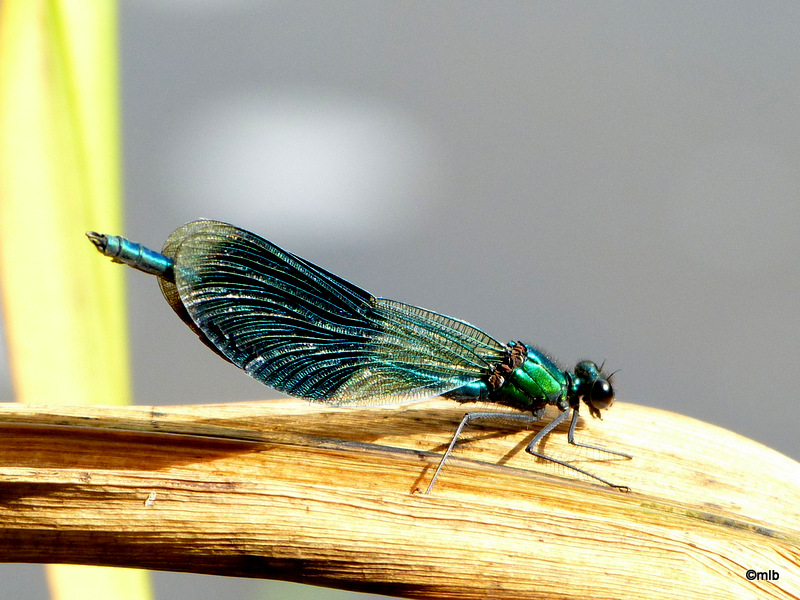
(309, 333)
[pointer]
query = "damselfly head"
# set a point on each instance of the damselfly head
(593, 387)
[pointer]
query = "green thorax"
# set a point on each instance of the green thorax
(535, 384)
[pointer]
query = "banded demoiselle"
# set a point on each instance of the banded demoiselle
(302, 330)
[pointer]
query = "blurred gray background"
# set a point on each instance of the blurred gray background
(616, 181)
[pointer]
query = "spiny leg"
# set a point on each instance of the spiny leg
(474, 416)
(555, 423)
(571, 440)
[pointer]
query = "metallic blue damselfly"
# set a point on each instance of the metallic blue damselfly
(304, 331)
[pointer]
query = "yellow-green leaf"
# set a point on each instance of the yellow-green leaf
(63, 309)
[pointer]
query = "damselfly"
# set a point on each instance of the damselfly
(311, 334)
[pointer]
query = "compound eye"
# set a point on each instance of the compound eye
(601, 395)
